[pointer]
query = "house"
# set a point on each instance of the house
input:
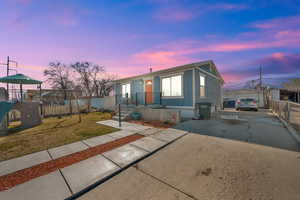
(181, 87)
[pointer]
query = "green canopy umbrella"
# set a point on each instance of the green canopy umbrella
(20, 79)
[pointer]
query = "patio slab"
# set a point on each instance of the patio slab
(121, 134)
(112, 123)
(95, 141)
(149, 131)
(49, 187)
(87, 172)
(134, 185)
(68, 149)
(125, 155)
(148, 143)
(125, 125)
(169, 135)
(16, 164)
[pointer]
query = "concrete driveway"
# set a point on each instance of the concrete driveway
(255, 127)
(202, 167)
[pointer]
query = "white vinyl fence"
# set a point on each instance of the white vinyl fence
(288, 111)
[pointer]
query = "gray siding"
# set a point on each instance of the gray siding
(187, 91)
(212, 89)
(136, 90)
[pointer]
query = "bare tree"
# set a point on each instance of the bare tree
(59, 77)
(96, 73)
(106, 85)
(88, 73)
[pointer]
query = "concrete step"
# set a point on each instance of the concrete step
(117, 117)
(122, 115)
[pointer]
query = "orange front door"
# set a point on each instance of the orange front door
(149, 91)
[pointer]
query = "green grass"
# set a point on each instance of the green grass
(51, 133)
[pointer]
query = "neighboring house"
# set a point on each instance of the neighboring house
(180, 87)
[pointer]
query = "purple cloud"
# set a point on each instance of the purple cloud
(175, 11)
(278, 23)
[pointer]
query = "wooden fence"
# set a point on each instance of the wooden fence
(288, 111)
(56, 110)
(50, 110)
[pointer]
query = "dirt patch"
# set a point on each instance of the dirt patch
(206, 172)
(155, 124)
(24, 175)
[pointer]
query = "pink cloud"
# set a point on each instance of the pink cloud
(228, 6)
(177, 12)
(278, 23)
(278, 56)
(185, 51)
(229, 77)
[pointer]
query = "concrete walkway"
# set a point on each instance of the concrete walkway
(74, 178)
(198, 167)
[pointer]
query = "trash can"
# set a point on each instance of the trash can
(203, 110)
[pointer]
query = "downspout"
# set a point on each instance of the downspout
(194, 88)
(194, 91)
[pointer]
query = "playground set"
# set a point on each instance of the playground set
(30, 113)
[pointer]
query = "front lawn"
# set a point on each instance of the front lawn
(51, 133)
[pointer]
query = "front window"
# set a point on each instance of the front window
(126, 90)
(202, 86)
(172, 86)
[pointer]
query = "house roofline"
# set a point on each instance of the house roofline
(174, 69)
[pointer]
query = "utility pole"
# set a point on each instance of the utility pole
(261, 88)
(259, 85)
(260, 77)
(7, 74)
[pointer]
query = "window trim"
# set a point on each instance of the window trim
(204, 96)
(182, 88)
(129, 94)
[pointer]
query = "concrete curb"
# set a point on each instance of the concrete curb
(292, 131)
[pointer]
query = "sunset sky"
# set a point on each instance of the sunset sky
(128, 37)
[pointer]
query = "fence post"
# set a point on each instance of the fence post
(145, 99)
(120, 124)
(127, 99)
(160, 95)
(136, 99)
(288, 111)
